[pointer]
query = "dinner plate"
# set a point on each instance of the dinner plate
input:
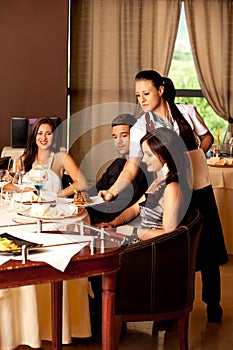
(220, 162)
(64, 200)
(94, 201)
(23, 220)
(28, 198)
(78, 212)
(20, 242)
(220, 165)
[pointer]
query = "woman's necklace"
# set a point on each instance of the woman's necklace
(159, 179)
(165, 123)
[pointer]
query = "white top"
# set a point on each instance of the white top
(189, 112)
(54, 182)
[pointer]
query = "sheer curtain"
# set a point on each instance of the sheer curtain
(111, 41)
(210, 25)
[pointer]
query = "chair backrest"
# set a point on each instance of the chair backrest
(158, 275)
(4, 162)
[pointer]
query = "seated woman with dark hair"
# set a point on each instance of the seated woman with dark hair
(168, 197)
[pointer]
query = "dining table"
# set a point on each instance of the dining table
(83, 264)
(95, 257)
(221, 177)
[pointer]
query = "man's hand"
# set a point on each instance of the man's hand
(107, 225)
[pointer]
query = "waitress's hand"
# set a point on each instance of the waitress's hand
(106, 195)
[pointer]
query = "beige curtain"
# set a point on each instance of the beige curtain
(210, 25)
(112, 40)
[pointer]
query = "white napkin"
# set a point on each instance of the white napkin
(201, 176)
(57, 256)
(26, 196)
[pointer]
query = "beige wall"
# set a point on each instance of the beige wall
(33, 60)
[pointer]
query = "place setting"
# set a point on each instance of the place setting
(222, 156)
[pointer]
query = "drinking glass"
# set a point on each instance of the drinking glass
(4, 179)
(18, 176)
(20, 170)
(12, 166)
(231, 146)
(39, 176)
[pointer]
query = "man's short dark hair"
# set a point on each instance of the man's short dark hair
(124, 119)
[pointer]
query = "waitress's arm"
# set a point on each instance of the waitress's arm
(125, 178)
(206, 141)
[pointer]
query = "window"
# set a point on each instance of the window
(184, 76)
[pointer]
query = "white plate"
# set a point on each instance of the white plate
(31, 197)
(220, 162)
(70, 214)
(64, 200)
(23, 220)
(94, 201)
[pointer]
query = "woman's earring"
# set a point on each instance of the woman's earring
(165, 169)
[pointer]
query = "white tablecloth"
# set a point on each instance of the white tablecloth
(222, 182)
(25, 312)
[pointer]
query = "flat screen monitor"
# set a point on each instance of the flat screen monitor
(19, 132)
(21, 127)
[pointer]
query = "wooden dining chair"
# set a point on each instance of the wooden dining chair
(156, 280)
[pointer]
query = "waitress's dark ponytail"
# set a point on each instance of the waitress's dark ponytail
(169, 93)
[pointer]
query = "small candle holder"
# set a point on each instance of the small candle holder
(217, 151)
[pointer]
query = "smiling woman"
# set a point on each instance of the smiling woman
(35, 300)
(41, 151)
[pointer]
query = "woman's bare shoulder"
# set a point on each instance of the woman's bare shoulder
(60, 156)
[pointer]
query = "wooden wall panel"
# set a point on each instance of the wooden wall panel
(33, 60)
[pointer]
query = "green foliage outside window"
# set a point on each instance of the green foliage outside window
(183, 75)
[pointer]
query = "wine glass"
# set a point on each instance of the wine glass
(18, 176)
(16, 170)
(231, 146)
(4, 179)
(12, 167)
(38, 176)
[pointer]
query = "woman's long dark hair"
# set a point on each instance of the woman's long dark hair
(31, 148)
(170, 149)
(169, 95)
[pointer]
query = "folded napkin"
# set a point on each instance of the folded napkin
(201, 176)
(47, 210)
(57, 256)
(29, 196)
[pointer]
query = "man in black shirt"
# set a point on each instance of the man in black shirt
(107, 211)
